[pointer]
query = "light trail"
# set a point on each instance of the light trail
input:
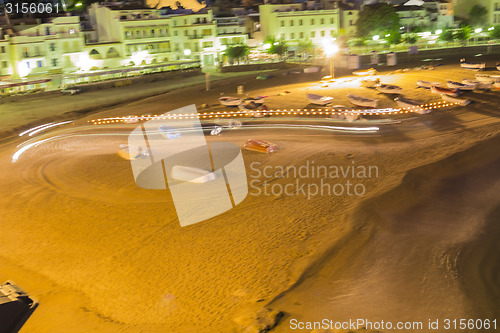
(49, 126)
(32, 129)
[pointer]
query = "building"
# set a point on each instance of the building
(494, 13)
(294, 23)
(426, 14)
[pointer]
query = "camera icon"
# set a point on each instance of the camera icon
(205, 180)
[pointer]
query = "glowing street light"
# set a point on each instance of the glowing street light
(478, 30)
(187, 52)
(376, 37)
(439, 31)
(491, 28)
(330, 50)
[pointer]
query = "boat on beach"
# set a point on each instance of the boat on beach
(484, 78)
(411, 105)
(389, 89)
(253, 109)
(468, 65)
(460, 101)
(427, 84)
(230, 101)
(461, 86)
(445, 91)
(479, 84)
(362, 101)
(256, 100)
(260, 146)
(366, 72)
(319, 100)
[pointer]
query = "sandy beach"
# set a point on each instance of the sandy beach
(102, 254)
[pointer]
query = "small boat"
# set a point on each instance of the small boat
(427, 84)
(469, 65)
(169, 132)
(370, 83)
(257, 111)
(446, 91)
(479, 84)
(411, 105)
(366, 72)
(484, 78)
(131, 153)
(461, 86)
(460, 101)
(260, 146)
(389, 89)
(230, 101)
(256, 100)
(362, 101)
(192, 175)
(319, 100)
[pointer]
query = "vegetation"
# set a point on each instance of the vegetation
(411, 38)
(394, 38)
(463, 34)
(377, 19)
(495, 33)
(447, 35)
(356, 42)
(477, 15)
(237, 52)
(306, 47)
(279, 48)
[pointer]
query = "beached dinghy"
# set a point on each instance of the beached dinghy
(389, 89)
(192, 175)
(260, 146)
(484, 78)
(427, 84)
(319, 100)
(461, 86)
(362, 101)
(230, 101)
(446, 91)
(468, 65)
(460, 101)
(366, 72)
(370, 83)
(256, 100)
(479, 84)
(257, 111)
(411, 105)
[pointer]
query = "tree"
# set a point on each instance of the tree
(411, 38)
(394, 37)
(237, 52)
(376, 19)
(463, 34)
(477, 15)
(446, 35)
(306, 47)
(495, 33)
(280, 48)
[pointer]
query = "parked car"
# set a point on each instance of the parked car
(70, 91)
(260, 146)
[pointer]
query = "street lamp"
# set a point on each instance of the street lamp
(330, 50)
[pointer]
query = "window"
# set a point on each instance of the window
(153, 32)
(313, 34)
(28, 64)
(291, 23)
(282, 36)
(282, 23)
(54, 62)
(331, 20)
(351, 23)
(175, 33)
(39, 63)
(5, 64)
(2, 49)
(47, 31)
(185, 32)
(292, 36)
(300, 22)
(312, 21)
(322, 21)
(301, 35)
(322, 33)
